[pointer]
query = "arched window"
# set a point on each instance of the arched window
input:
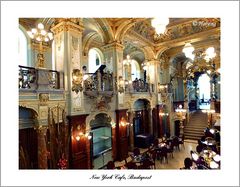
(22, 48)
(94, 60)
(135, 70)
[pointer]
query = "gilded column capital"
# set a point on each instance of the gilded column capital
(65, 25)
(114, 45)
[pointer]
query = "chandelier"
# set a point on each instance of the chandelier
(40, 35)
(160, 24)
(209, 54)
(188, 51)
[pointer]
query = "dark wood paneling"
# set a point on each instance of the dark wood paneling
(28, 143)
(79, 151)
(217, 106)
(121, 135)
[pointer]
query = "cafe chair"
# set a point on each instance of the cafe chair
(110, 165)
(181, 141)
(153, 156)
(170, 149)
(163, 154)
(147, 164)
(131, 165)
(175, 143)
(199, 148)
(136, 151)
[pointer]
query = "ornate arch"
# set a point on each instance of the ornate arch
(141, 98)
(124, 27)
(87, 41)
(161, 51)
(34, 108)
(106, 28)
(93, 114)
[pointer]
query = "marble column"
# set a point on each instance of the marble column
(68, 52)
(114, 52)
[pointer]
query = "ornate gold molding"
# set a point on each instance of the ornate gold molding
(65, 25)
(43, 98)
(114, 45)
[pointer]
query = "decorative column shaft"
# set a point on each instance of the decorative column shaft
(42, 148)
(68, 52)
(114, 52)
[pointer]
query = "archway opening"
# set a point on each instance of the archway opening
(101, 146)
(135, 70)
(94, 60)
(204, 91)
(142, 126)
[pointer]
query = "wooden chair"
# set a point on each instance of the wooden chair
(136, 151)
(175, 143)
(110, 165)
(181, 140)
(163, 154)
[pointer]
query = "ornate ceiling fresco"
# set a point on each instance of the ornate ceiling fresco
(138, 36)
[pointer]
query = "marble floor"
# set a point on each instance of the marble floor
(177, 161)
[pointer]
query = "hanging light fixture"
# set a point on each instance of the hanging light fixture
(160, 24)
(40, 35)
(210, 54)
(188, 51)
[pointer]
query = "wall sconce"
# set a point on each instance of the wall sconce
(81, 135)
(121, 84)
(123, 122)
(180, 109)
(163, 114)
(113, 124)
(77, 79)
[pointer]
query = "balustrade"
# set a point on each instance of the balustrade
(98, 82)
(39, 79)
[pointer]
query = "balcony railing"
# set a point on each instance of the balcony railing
(138, 86)
(98, 82)
(40, 79)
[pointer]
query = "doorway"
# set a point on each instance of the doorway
(101, 145)
(204, 91)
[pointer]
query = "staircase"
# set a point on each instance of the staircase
(197, 123)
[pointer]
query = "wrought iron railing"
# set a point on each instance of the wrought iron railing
(39, 79)
(98, 82)
(27, 77)
(138, 86)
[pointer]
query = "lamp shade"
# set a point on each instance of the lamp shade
(188, 50)
(160, 24)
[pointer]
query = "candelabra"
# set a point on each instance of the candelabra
(40, 35)
(181, 112)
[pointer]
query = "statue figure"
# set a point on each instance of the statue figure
(40, 60)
